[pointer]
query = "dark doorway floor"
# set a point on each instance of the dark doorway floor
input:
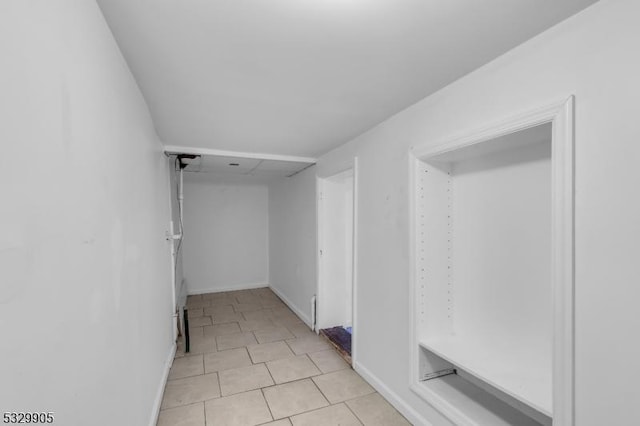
(340, 338)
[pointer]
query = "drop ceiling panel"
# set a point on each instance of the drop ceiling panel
(273, 165)
(229, 164)
(272, 173)
(245, 166)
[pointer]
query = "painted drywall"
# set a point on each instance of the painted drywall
(593, 56)
(85, 299)
(292, 240)
(226, 233)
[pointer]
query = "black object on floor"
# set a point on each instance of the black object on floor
(186, 330)
(340, 337)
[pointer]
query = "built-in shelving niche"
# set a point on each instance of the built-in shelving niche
(484, 278)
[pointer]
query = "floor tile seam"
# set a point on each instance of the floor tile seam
(202, 401)
(228, 350)
(181, 406)
(316, 409)
(320, 390)
(251, 390)
(190, 377)
(353, 412)
(297, 356)
(205, 413)
(187, 377)
(360, 396)
(267, 404)
(279, 359)
(289, 345)
(314, 363)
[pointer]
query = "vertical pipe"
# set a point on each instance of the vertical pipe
(313, 313)
(172, 248)
(180, 235)
(181, 200)
(174, 313)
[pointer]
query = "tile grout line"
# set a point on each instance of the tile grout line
(267, 404)
(314, 363)
(322, 408)
(204, 370)
(353, 412)
(204, 408)
(181, 406)
(320, 390)
(287, 343)
(270, 375)
(307, 411)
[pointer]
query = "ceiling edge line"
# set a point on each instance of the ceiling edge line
(174, 149)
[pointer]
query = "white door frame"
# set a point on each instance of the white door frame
(320, 182)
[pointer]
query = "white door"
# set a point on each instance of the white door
(335, 245)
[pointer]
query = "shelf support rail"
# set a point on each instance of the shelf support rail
(436, 374)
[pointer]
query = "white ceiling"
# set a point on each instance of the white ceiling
(256, 167)
(299, 77)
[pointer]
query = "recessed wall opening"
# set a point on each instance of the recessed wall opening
(487, 305)
(335, 260)
(486, 240)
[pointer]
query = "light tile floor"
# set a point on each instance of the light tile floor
(254, 362)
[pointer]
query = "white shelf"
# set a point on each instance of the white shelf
(517, 373)
(473, 406)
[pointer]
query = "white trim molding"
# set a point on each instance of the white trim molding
(320, 231)
(394, 399)
(155, 413)
(304, 317)
(355, 324)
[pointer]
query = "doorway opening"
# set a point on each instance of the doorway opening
(335, 295)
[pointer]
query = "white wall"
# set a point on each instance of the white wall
(85, 298)
(593, 55)
(226, 224)
(292, 240)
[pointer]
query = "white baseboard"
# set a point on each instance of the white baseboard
(160, 392)
(227, 288)
(304, 317)
(405, 409)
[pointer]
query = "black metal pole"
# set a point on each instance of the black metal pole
(186, 330)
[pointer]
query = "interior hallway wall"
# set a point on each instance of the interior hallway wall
(226, 223)
(593, 56)
(85, 301)
(292, 240)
